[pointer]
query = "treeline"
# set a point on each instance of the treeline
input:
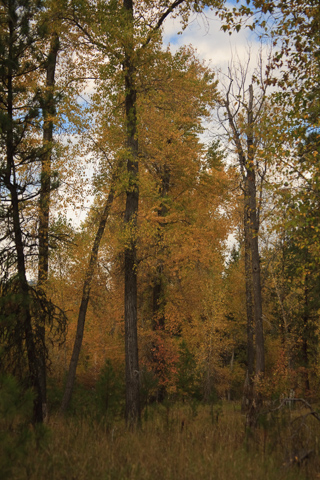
(144, 300)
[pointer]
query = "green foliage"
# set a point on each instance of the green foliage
(82, 403)
(15, 417)
(54, 394)
(110, 392)
(149, 383)
(15, 404)
(13, 304)
(188, 383)
(102, 402)
(215, 155)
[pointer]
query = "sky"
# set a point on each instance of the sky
(212, 44)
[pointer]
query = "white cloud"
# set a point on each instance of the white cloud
(213, 45)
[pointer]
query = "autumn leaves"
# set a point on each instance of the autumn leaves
(144, 280)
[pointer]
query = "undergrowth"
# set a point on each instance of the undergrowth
(175, 442)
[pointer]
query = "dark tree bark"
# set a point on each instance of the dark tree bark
(49, 110)
(158, 287)
(306, 334)
(10, 182)
(25, 315)
(158, 294)
(249, 303)
(248, 388)
(133, 412)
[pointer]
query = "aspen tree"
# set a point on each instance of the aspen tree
(125, 34)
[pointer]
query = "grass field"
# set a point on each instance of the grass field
(175, 443)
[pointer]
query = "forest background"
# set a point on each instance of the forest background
(193, 277)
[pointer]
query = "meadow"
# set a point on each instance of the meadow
(176, 441)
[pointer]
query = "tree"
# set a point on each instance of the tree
(85, 299)
(293, 266)
(48, 111)
(177, 92)
(26, 183)
(180, 188)
(246, 115)
(20, 116)
(132, 36)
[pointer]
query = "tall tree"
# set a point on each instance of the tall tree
(174, 171)
(26, 58)
(130, 218)
(19, 116)
(48, 112)
(245, 114)
(251, 230)
(126, 39)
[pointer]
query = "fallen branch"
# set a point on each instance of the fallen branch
(296, 400)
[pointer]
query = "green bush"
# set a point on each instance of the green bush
(188, 383)
(15, 418)
(110, 392)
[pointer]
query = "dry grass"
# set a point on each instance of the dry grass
(173, 444)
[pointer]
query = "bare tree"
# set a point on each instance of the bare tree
(243, 110)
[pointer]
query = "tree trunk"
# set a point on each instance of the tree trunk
(85, 300)
(158, 303)
(11, 185)
(48, 110)
(157, 310)
(248, 387)
(25, 318)
(254, 227)
(252, 260)
(252, 219)
(306, 335)
(133, 413)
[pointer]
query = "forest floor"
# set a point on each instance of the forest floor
(176, 442)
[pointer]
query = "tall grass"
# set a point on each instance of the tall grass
(175, 443)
